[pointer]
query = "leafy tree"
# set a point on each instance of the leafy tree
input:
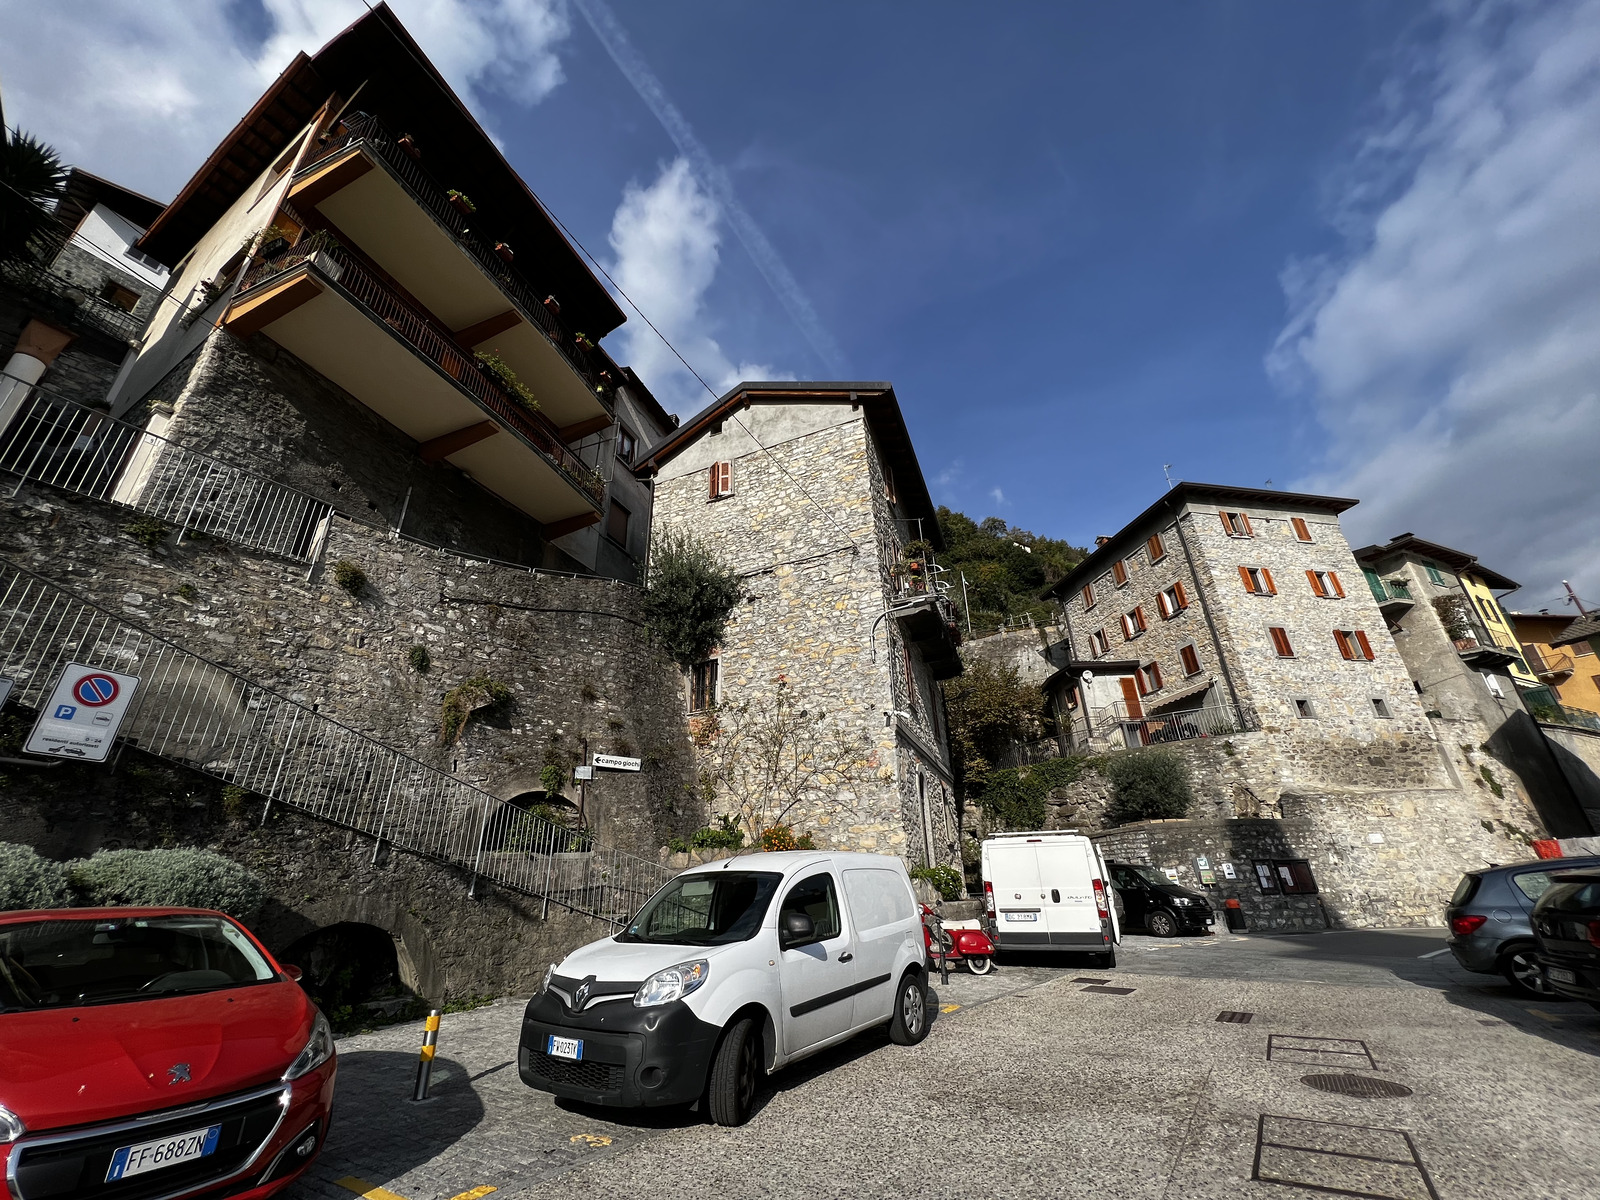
(1005, 567)
(990, 709)
(32, 179)
(688, 597)
(1148, 785)
(1015, 798)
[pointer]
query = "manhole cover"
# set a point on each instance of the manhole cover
(1236, 1018)
(1362, 1087)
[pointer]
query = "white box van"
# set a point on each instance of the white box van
(731, 970)
(1049, 891)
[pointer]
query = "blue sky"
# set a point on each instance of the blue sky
(1340, 246)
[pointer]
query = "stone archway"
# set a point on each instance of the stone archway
(417, 964)
(357, 973)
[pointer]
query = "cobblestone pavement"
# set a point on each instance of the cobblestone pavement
(1029, 1086)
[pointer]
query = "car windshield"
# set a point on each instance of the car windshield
(705, 909)
(1148, 874)
(66, 963)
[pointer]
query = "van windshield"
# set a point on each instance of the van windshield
(1147, 874)
(705, 909)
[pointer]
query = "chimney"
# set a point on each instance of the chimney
(1101, 541)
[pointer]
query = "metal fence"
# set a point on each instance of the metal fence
(60, 299)
(55, 441)
(200, 714)
(1181, 726)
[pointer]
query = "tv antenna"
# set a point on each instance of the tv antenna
(1166, 469)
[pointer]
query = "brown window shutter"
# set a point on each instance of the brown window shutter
(1138, 617)
(1130, 697)
(1266, 578)
(1191, 660)
(1316, 584)
(1248, 532)
(1155, 670)
(1346, 648)
(1244, 574)
(1088, 596)
(1280, 642)
(1119, 571)
(1183, 596)
(1138, 680)
(1338, 589)
(1227, 526)
(1366, 646)
(727, 478)
(716, 474)
(1300, 530)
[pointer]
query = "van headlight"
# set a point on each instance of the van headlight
(318, 1049)
(672, 984)
(11, 1127)
(544, 984)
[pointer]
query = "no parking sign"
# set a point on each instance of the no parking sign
(83, 713)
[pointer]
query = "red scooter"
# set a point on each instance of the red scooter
(969, 947)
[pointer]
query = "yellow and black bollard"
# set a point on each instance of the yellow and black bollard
(430, 1042)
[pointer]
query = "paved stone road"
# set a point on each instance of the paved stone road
(1032, 1087)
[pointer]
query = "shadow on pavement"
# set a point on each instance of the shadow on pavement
(374, 1089)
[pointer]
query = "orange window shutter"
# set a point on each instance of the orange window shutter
(1366, 646)
(1138, 618)
(1266, 578)
(1300, 530)
(1248, 532)
(1316, 584)
(1155, 673)
(1227, 525)
(1088, 596)
(1183, 596)
(1346, 649)
(727, 478)
(716, 475)
(1338, 589)
(1119, 572)
(1244, 574)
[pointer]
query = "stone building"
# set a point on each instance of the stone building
(813, 494)
(368, 304)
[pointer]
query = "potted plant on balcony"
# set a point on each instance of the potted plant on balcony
(461, 203)
(1452, 613)
(552, 306)
(409, 144)
(582, 342)
(505, 252)
(493, 365)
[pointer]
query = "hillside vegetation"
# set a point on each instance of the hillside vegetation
(1005, 567)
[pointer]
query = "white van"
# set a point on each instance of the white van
(731, 970)
(1049, 891)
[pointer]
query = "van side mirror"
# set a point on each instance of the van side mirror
(796, 929)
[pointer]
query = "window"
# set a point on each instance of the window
(721, 480)
(1492, 681)
(1352, 644)
(627, 444)
(817, 899)
(1119, 572)
(1102, 645)
(1258, 581)
(617, 524)
(1301, 530)
(1190, 658)
(1489, 610)
(1150, 678)
(1088, 596)
(1156, 548)
(1325, 584)
(1280, 642)
(1133, 624)
(1532, 884)
(1172, 601)
(124, 298)
(703, 686)
(1266, 876)
(1236, 524)
(1303, 709)
(1380, 708)
(1434, 574)
(1294, 877)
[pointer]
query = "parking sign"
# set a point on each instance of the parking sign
(81, 717)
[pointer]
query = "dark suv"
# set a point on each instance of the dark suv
(1567, 923)
(1489, 919)
(1153, 902)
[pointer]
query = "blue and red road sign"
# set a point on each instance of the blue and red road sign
(95, 690)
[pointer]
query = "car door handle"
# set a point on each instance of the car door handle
(846, 957)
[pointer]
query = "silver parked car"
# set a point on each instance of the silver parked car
(1490, 929)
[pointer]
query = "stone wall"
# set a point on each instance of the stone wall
(82, 372)
(1577, 753)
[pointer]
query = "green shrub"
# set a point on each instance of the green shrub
(349, 576)
(1014, 798)
(461, 702)
(689, 594)
(235, 802)
(508, 379)
(724, 835)
(781, 837)
(147, 531)
(420, 659)
(1148, 785)
(181, 878)
(552, 778)
(29, 881)
(946, 880)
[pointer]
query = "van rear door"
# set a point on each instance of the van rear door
(1014, 875)
(1066, 880)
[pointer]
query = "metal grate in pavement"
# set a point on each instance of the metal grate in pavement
(1110, 991)
(1319, 1052)
(1362, 1087)
(1086, 979)
(1346, 1160)
(1236, 1018)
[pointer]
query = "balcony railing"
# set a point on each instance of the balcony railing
(59, 299)
(367, 130)
(1181, 726)
(341, 268)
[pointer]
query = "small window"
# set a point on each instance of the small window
(1102, 644)
(1172, 601)
(1258, 581)
(1380, 708)
(1325, 584)
(124, 298)
(817, 899)
(1301, 530)
(1150, 678)
(1532, 884)
(1237, 524)
(703, 686)
(1434, 574)
(1266, 876)
(721, 480)
(1088, 596)
(1190, 658)
(1119, 572)
(627, 444)
(1492, 681)
(1133, 624)
(1280, 642)
(1303, 709)
(1294, 877)
(1156, 548)
(1352, 644)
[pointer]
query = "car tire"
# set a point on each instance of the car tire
(1522, 972)
(1161, 923)
(735, 1072)
(980, 965)
(909, 1025)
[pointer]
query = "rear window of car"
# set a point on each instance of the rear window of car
(1466, 888)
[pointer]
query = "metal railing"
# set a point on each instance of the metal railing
(1554, 662)
(50, 440)
(366, 130)
(341, 268)
(1181, 726)
(202, 715)
(60, 299)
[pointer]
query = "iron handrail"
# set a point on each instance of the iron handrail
(87, 309)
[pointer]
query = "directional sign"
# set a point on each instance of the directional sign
(615, 762)
(5, 690)
(81, 717)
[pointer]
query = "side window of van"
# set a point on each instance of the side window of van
(877, 898)
(817, 899)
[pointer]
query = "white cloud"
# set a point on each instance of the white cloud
(997, 496)
(142, 92)
(666, 238)
(1453, 352)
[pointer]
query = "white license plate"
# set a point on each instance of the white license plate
(561, 1047)
(1022, 916)
(1560, 975)
(152, 1156)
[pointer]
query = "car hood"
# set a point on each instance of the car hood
(611, 961)
(70, 1066)
(1174, 890)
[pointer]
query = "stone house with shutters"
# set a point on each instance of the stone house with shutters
(812, 492)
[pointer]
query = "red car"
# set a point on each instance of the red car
(154, 1054)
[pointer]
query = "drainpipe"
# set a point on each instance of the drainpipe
(1205, 609)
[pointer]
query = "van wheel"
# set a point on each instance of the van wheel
(980, 966)
(1162, 923)
(731, 1090)
(909, 1025)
